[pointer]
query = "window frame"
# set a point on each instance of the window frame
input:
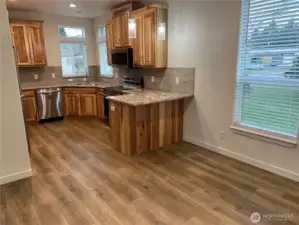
(102, 40)
(245, 129)
(74, 40)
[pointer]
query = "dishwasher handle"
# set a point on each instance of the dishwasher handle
(48, 91)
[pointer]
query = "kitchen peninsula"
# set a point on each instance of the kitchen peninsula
(144, 120)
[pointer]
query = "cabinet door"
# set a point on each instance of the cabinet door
(88, 105)
(149, 37)
(109, 40)
(117, 31)
(100, 106)
(125, 28)
(71, 102)
(20, 41)
(137, 43)
(29, 109)
(37, 45)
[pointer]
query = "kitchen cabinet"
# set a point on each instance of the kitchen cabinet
(36, 42)
(121, 34)
(125, 29)
(148, 50)
(118, 31)
(109, 39)
(20, 41)
(80, 102)
(71, 102)
(101, 106)
(29, 106)
(137, 43)
(88, 105)
(149, 36)
(28, 39)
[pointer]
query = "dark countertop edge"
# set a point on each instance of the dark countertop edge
(154, 102)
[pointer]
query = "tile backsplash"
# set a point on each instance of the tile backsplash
(170, 79)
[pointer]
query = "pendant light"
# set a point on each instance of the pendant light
(131, 24)
(161, 26)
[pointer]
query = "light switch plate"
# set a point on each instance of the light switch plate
(53, 75)
(177, 80)
(112, 108)
(153, 79)
(84, 79)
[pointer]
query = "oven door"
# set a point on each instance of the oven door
(122, 58)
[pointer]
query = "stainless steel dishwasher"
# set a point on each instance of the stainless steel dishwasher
(49, 103)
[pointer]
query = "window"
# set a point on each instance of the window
(73, 51)
(267, 89)
(106, 70)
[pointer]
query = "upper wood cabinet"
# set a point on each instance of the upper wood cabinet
(125, 29)
(20, 41)
(149, 37)
(137, 43)
(37, 45)
(118, 31)
(148, 50)
(28, 40)
(121, 35)
(110, 39)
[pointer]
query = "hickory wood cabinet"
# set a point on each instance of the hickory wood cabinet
(148, 50)
(28, 40)
(109, 39)
(87, 102)
(29, 106)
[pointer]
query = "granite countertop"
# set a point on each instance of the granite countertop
(145, 96)
(36, 85)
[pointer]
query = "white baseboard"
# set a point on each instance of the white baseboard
(15, 176)
(277, 170)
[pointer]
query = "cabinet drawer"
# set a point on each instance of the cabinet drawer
(28, 93)
(80, 90)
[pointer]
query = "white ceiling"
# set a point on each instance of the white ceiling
(85, 8)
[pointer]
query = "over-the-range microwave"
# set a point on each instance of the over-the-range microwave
(122, 57)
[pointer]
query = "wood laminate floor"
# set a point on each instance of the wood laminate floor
(79, 180)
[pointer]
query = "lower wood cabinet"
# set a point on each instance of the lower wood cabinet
(29, 106)
(101, 106)
(87, 105)
(83, 102)
(71, 102)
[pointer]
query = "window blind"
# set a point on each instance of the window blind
(267, 89)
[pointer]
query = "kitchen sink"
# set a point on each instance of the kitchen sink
(82, 84)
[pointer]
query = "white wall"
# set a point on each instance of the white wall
(205, 36)
(52, 41)
(98, 22)
(14, 157)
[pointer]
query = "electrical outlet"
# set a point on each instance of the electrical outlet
(70, 80)
(222, 134)
(84, 79)
(153, 79)
(53, 75)
(177, 80)
(35, 76)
